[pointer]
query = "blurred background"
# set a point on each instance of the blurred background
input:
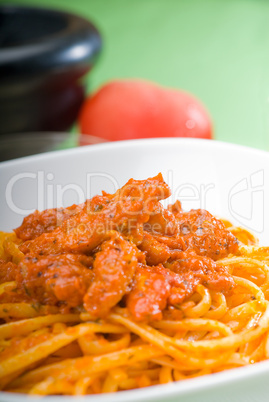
(216, 49)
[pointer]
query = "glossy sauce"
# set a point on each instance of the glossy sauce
(120, 248)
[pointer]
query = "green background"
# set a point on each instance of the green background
(216, 49)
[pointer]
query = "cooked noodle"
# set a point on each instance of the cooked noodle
(44, 350)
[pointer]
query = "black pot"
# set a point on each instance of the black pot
(43, 55)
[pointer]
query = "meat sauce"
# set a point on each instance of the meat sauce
(120, 248)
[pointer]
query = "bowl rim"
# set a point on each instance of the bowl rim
(178, 389)
(160, 391)
(111, 145)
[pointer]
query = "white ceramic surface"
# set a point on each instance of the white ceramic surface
(228, 180)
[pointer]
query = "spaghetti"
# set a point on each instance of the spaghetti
(120, 293)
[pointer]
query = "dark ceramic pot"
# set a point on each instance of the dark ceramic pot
(43, 56)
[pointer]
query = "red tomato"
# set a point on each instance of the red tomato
(127, 109)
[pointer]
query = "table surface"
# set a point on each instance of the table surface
(216, 49)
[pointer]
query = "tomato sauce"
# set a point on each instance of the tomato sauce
(120, 248)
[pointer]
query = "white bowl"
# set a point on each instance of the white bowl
(229, 180)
